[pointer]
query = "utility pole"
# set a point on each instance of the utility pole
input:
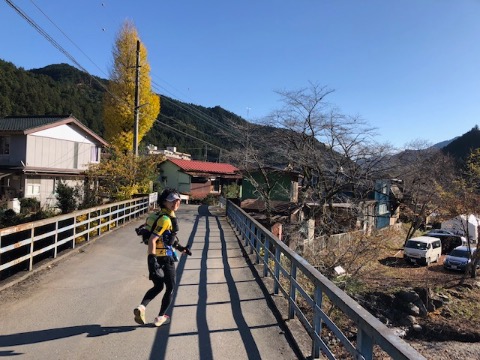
(137, 101)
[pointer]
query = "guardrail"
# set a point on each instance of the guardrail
(299, 282)
(24, 245)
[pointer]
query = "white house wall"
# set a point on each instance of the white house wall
(63, 132)
(48, 185)
(54, 153)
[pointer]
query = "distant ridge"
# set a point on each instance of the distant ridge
(461, 147)
(442, 144)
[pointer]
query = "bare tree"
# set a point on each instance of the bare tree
(337, 154)
(425, 173)
(256, 154)
(463, 199)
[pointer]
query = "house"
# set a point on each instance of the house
(36, 152)
(388, 193)
(169, 152)
(282, 195)
(198, 179)
(283, 184)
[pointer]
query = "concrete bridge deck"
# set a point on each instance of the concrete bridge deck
(80, 306)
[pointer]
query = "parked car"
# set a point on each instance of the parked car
(422, 249)
(459, 258)
(439, 231)
(449, 240)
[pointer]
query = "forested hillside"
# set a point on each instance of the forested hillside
(63, 89)
(461, 147)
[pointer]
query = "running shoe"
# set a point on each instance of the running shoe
(139, 313)
(161, 320)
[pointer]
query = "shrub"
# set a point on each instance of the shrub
(231, 191)
(9, 218)
(66, 198)
(210, 199)
(29, 205)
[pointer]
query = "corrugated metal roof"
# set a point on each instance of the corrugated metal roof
(203, 166)
(14, 123)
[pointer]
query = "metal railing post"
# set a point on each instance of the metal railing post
(252, 234)
(32, 239)
(258, 246)
(265, 257)
(277, 270)
(292, 292)
(56, 240)
(317, 321)
(364, 344)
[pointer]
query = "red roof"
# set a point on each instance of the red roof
(204, 167)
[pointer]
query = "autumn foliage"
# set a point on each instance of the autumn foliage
(121, 174)
(119, 101)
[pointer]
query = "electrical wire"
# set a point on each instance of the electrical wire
(59, 47)
(184, 133)
(197, 113)
(189, 109)
(58, 28)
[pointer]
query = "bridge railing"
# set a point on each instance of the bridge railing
(22, 246)
(308, 292)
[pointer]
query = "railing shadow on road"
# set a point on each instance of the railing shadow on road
(204, 333)
(38, 336)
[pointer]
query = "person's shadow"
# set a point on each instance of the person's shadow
(203, 211)
(39, 336)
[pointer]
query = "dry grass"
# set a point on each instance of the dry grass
(375, 265)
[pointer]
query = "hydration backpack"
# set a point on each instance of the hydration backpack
(145, 230)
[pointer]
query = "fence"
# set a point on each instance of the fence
(301, 283)
(22, 246)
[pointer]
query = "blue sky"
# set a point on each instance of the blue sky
(410, 68)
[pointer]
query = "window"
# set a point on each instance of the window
(55, 182)
(33, 187)
(95, 154)
(4, 145)
(382, 209)
(384, 189)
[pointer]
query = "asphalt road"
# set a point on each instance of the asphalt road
(81, 306)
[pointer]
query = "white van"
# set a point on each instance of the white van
(422, 249)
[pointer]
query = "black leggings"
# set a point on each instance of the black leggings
(168, 280)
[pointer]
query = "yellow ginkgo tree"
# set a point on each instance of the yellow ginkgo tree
(119, 100)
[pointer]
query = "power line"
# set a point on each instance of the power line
(58, 28)
(180, 123)
(184, 133)
(197, 113)
(192, 111)
(59, 47)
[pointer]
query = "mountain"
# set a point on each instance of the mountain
(463, 145)
(205, 132)
(35, 93)
(442, 144)
(63, 89)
